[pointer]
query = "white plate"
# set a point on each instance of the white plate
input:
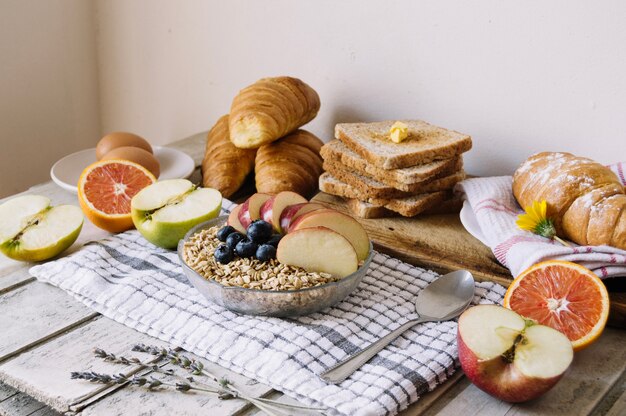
(469, 221)
(174, 165)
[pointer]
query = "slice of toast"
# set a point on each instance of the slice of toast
(364, 209)
(371, 188)
(337, 151)
(424, 144)
(407, 207)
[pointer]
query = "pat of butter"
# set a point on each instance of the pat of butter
(398, 132)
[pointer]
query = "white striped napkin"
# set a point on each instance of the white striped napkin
(129, 280)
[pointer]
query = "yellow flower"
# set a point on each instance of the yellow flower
(536, 220)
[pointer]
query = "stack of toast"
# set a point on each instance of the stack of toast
(380, 177)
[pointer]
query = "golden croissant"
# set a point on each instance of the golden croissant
(225, 167)
(292, 163)
(585, 199)
(270, 109)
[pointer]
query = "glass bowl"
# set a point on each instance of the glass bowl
(284, 303)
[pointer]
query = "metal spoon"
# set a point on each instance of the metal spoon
(442, 300)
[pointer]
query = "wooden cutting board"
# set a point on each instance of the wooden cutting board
(441, 243)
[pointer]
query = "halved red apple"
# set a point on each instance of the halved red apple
(251, 209)
(508, 356)
(292, 212)
(318, 249)
(233, 220)
(272, 209)
(338, 222)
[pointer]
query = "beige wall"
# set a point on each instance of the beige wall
(520, 77)
(49, 86)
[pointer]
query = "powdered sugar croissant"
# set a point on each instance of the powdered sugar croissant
(585, 199)
(270, 109)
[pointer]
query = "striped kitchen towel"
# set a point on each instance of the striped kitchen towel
(143, 287)
(494, 209)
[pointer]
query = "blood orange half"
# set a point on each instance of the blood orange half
(563, 295)
(105, 189)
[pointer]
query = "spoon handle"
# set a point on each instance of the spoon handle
(342, 370)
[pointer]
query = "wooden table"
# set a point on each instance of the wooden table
(45, 334)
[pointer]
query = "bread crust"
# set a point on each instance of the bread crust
(270, 109)
(289, 164)
(426, 143)
(584, 198)
(224, 166)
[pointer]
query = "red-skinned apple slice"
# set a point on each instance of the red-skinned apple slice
(509, 357)
(273, 207)
(233, 220)
(251, 209)
(339, 222)
(292, 212)
(318, 249)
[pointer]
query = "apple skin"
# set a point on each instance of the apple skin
(166, 234)
(15, 252)
(250, 209)
(292, 212)
(272, 209)
(501, 379)
(233, 220)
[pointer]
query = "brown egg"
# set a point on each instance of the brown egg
(120, 139)
(137, 155)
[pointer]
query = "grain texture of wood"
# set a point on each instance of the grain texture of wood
(619, 407)
(441, 243)
(36, 312)
(428, 399)
(20, 405)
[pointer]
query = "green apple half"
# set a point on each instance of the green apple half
(164, 211)
(32, 230)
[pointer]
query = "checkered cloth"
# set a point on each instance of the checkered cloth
(129, 280)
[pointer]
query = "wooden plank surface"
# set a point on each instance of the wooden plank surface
(441, 243)
(35, 312)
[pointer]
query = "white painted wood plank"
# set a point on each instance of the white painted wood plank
(428, 399)
(44, 373)
(473, 402)
(35, 312)
(6, 392)
(619, 407)
(20, 405)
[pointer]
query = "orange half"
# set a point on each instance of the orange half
(563, 295)
(105, 189)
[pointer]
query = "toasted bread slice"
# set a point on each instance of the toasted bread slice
(337, 151)
(365, 209)
(370, 188)
(424, 144)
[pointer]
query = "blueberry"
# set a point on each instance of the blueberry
(233, 239)
(274, 240)
(259, 231)
(266, 252)
(246, 248)
(223, 254)
(225, 232)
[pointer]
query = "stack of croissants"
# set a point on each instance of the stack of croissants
(262, 134)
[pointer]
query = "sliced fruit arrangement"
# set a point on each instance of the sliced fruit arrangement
(510, 357)
(33, 230)
(163, 212)
(562, 295)
(317, 238)
(105, 189)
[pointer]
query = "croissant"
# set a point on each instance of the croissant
(225, 166)
(269, 109)
(585, 199)
(292, 163)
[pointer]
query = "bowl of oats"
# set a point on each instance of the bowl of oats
(257, 284)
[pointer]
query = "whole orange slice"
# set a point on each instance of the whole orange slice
(562, 295)
(105, 189)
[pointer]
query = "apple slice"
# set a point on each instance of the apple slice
(32, 230)
(251, 209)
(339, 222)
(164, 211)
(509, 357)
(292, 212)
(273, 207)
(318, 249)
(233, 220)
